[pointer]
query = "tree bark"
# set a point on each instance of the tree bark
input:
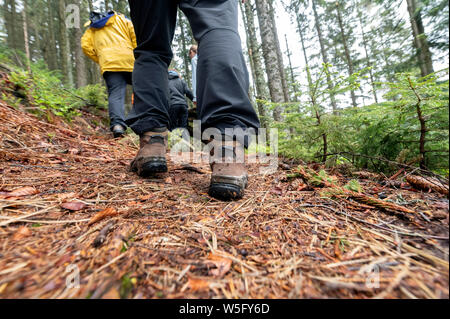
(52, 50)
(255, 57)
(107, 6)
(366, 50)
(324, 54)
(66, 62)
(279, 53)
(185, 49)
(420, 40)
(25, 35)
(291, 69)
(346, 50)
(270, 57)
(79, 55)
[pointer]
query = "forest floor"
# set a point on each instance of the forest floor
(75, 223)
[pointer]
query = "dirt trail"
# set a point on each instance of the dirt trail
(76, 210)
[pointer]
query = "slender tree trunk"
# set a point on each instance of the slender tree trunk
(324, 135)
(107, 6)
(25, 35)
(52, 50)
(35, 28)
(185, 49)
(255, 56)
(324, 54)
(279, 53)
(291, 69)
(6, 12)
(420, 40)
(14, 35)
(79, 55)
(305, 55)
(346, 50)
(247, 39)
(14, 38)
(369, 63)
(122, 7)
(66, 62)
(270, 57)
(94, 69)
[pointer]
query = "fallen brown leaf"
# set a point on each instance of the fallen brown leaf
(64, 196)
(223, 265)
(22, 233)
(195, 284)
(74, 206)
(108, 212)
(20, 192)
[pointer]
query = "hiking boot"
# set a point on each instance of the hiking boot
(151, 158)
(118, 131)
(229, 176)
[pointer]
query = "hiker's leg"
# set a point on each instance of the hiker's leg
(222, 76)
(180, 116)
(154, 23)
(184, 117)
(173, 116)
(117, 85)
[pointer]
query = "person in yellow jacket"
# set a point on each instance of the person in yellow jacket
(110, 41)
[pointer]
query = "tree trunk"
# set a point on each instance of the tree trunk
(107, 6)
(25, 35)
(255, 57)
(369, 63)
(52, 50)
(305, 55)
(247, 39)
(185, 48)
(291, 69)
(270, 57)
(79, 55)
(279, 53)
(420, 40)
(66, 63)
(346, 50)
(324, 54)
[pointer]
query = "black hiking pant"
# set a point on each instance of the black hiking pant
(222, 76)
(117, 88)
(179, 116)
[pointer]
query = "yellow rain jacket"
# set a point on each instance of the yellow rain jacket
(112, 45)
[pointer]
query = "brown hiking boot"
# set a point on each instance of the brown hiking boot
(229, 176)
(151, 158)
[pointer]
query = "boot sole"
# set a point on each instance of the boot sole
(152, 168)
(226, 192)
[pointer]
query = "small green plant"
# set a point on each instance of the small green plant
(44, 91)
(126, 286)
(354, 186)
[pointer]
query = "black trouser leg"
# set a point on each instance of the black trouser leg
(184, 115)
(179, 116)
(222, 76)
(154, 22)
(116, 83)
